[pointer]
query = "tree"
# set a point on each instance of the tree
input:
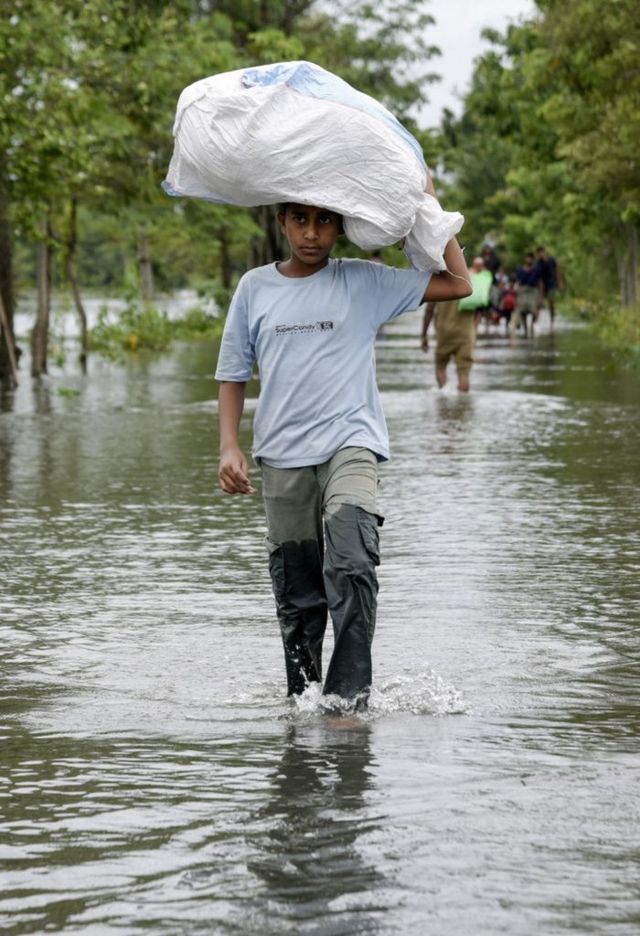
(594, 108)
(87, 99)
(32, 40)
(545, 147)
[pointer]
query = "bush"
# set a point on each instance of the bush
(196, 324)
(136, 327)
(617, 329)
(139, 327)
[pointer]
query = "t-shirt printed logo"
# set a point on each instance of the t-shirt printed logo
(304, 328)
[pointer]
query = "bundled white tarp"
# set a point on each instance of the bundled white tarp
(293, 132)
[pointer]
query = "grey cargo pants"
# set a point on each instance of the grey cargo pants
(322, 537)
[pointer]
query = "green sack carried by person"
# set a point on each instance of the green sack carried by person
(481, 281)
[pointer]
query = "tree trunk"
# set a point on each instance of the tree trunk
(72, 278)
(273, 239)
(632, 267)
(622, 279)
(40, 333)
(226, 268)
(146, 270)
(269, 248)
(7, 337)
(627, 263)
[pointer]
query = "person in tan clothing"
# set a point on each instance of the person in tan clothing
(455, 337)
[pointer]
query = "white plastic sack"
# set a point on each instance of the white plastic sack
(295, 132)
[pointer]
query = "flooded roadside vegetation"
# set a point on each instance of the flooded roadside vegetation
(155, 777)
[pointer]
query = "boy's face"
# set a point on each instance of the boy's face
(311, 232)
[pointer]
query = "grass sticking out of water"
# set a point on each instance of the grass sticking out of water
(139, 327)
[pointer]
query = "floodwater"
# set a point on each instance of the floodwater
(154, 777)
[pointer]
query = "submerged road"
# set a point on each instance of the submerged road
(154, 778)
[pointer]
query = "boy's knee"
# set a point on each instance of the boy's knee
(350, 478)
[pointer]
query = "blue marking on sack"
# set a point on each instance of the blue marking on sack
(315, 81)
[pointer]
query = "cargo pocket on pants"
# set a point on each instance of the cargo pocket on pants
(368, 527)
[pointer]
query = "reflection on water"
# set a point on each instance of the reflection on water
(155, 779)
(308, 855)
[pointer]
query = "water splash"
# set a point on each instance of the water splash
(422, 693)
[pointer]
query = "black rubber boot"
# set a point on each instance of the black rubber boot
(352, 554)
(301, 605)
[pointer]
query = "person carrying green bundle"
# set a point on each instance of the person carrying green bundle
(479, 302)
(456, 324)
(455, 338)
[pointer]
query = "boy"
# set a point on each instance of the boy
(319, 433)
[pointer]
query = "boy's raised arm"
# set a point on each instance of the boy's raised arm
(454, 282)
(233, 471)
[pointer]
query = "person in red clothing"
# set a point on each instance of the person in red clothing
(507, 302)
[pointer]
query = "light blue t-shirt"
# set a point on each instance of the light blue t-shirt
(313, 338)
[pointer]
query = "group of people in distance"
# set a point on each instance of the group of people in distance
(497, 296)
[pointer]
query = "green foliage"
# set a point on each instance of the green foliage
(141, 327)
(197, 324)
(272, 45)
(222, 297)
(380, 49)
(137, 327)
(618, 329)
(87, 99)
(546, 149)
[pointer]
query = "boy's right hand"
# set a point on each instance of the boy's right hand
(233, 474)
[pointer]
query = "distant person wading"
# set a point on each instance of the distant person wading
(549, 273)
(529, 295)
